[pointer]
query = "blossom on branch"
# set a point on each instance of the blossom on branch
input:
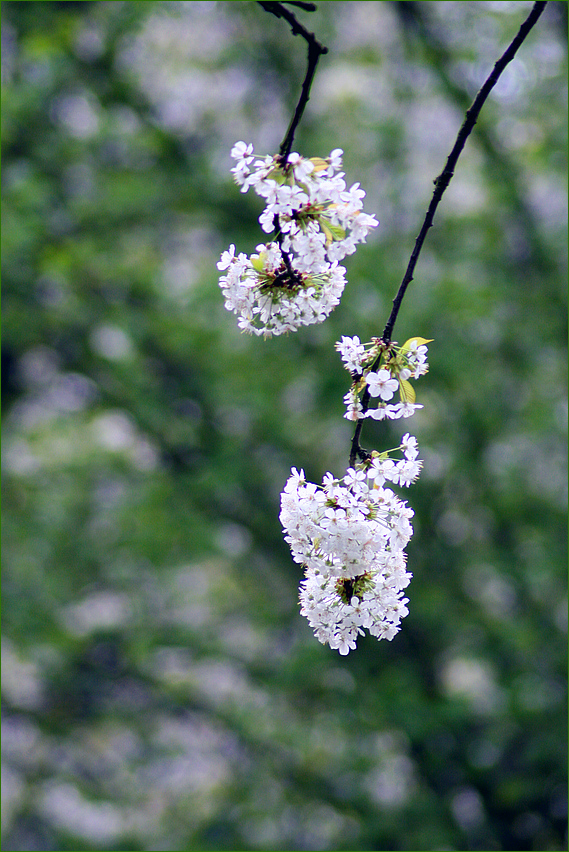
(381, 384)
(379, 606)
(350, 535)
(309, 197)
(380, 369)
(295, 279)
(273, 294)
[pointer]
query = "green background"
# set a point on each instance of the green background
(160, 689)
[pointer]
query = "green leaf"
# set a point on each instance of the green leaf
(420, 342)
(337, 232)
(406, 391)
(327, 232)
(258, 261)
(319, 163)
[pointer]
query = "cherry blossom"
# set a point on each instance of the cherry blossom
(349, 535)
(382, 369)
(271, 299)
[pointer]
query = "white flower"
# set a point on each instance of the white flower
(352, 352)
(382, 384)
(336, 159)
(281, 200)
(380, 470)
(242, 151)
(405, 409)
(409, 446)
(355, 481)
(407, 471)
(338, 618)
(296, 280)
(354, 196)
(268, 300)
(302, 168)
(354, 408)
(417, 358)
(306, 195)
(227, 258)
(392, 412)
(241, 172)
(383, 412)
(350, 539)
(350, 523)
(399, 365)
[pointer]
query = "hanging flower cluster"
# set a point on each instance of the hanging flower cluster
(350, 536)
(380, 370)
(295, 279)
(270, 298)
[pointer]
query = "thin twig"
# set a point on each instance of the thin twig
(445, 176)
(441, 183)
(315, 51)
(308, 7)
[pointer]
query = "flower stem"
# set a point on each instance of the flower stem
(443, 180)
(315, 50)
(441, 183)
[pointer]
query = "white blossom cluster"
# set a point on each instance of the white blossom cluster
(310, 198)
(317, 220)
(394, 367)
(350, 536)
(268, 299)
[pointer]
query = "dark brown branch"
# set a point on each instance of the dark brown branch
(441, 183)
(315, 51)
(308, 7)
(444, 178)
(357, 451)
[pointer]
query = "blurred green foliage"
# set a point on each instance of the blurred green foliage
(160, 689)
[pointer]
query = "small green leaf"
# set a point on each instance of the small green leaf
(337, 232)
(406, 391)
(319, 163)
(420, 342)
(258, 261)
(328, 233)
(277, 175)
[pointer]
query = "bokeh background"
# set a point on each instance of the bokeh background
(160, 689)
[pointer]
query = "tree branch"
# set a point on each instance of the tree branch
(441, 183)
(443, 180)
(315, 50)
